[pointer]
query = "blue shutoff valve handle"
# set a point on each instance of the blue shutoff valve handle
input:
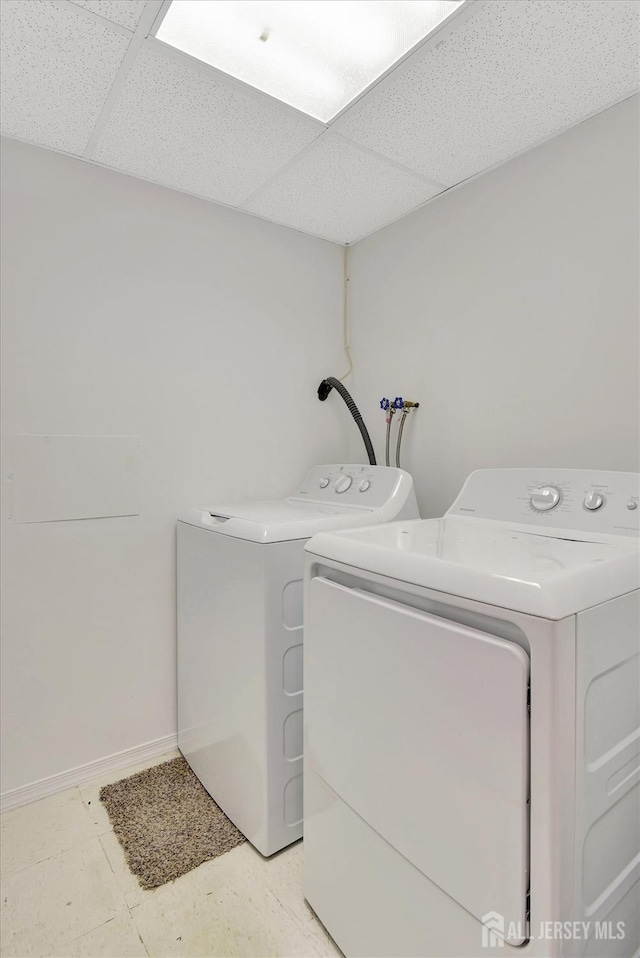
(384, 404)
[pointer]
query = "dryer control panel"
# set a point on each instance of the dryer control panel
(586, 501)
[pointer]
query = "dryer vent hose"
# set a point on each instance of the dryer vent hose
(325, 388)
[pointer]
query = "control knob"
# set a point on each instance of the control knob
(545, 498)
(593, 500)
(343, 483)
(324, 482)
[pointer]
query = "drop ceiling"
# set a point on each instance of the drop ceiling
(88, 78)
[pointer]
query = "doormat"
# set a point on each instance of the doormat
(166, 822)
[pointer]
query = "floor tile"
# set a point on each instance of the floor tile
(118, 937)
(223, 908)
(68, 891)
(127, 881)
(233, 924)
(38, 831)
(320, 940)
(282, 874)
(58, 900)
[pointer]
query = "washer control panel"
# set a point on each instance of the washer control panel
(572, 499)
(350, 484)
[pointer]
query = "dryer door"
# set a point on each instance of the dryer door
(421, 725)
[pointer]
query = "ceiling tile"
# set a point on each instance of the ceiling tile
(339, 191)
(57, 67)
(125, 12)
(181, 126)
(513, 73)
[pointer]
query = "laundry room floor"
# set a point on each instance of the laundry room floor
(67, 890)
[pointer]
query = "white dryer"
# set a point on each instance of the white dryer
(240, 570)
(472, 724)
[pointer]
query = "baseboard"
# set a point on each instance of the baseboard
(26, 794)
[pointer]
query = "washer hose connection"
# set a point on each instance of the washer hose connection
(387, 406)
(390, 407)
(325, 388)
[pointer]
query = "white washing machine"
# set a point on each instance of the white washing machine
(472, 724)
(240, 570)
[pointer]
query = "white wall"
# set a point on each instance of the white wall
(134, 310)
(509, 308)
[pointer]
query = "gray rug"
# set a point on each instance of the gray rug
(166, 822)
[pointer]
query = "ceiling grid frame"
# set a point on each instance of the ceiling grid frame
(189, 128)
(225, 78)
(283, 170)
(524, 97)
(335, 176)
(92, 16)
(496, 166)
(339, 129)
(137, 39)
(433, 38)
(99, 8)
(363, 149)
(42, 100)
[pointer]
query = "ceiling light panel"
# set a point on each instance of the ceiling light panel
(340, 192)
(57, 67)
(512, 74)
(188, 128)
(315, 55)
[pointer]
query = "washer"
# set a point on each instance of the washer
(472, 727)
(240, 569)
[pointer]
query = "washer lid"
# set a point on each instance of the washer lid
(277, 520)
(547, 576)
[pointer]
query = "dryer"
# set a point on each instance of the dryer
(239, 594)
(472, 723)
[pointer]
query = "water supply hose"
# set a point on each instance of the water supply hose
(405, 413)
(325, 388)
(406, 406)
(387, 453)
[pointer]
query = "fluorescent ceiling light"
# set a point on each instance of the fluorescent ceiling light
(315, 55)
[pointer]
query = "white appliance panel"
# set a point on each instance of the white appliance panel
(240, 635)
(440, 766)
(221, 700)
(374, 902)
(533, 573)
(331, 497)
(582, 501)
(608, 770)
(553, 554)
